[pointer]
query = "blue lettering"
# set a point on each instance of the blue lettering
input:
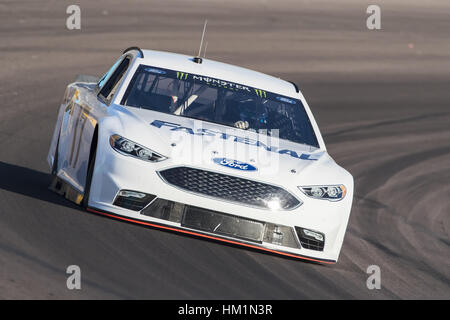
(260, 144)
(305, 156)
(206, 132)
(186, 129)
(245, 140)
(289, 152)
(159, 124)
(224, 136)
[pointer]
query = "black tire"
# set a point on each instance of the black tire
(90, 172)
(55, 159)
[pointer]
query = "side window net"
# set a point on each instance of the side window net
(108, 90)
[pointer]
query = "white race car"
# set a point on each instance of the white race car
(204, 148)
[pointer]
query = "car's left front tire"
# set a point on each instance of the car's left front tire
(90, 171)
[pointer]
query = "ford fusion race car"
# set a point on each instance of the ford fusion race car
(204, 148)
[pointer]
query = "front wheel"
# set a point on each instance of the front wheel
(90, 172)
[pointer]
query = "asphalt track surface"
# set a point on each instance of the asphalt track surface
(381, 99)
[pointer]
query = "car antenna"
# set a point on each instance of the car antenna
(204, 51)
(198, 59)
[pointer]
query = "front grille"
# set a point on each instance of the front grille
(229, 188)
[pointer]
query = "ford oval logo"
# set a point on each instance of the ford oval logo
(234, 164)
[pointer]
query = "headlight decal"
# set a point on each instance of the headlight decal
(330, 192)
(133, 149)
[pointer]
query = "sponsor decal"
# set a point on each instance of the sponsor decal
(261, 93)
(182, 75)
(154, 70)
(234, 164)
(218, 83)
(287, 100)
(225, 136)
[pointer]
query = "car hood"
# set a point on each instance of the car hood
(187, 141)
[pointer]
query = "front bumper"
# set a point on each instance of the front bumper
(240, 242)
(114, 172)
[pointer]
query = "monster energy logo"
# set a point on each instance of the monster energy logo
(261, 93)
(182, 75)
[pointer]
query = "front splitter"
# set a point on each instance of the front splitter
(205, 235)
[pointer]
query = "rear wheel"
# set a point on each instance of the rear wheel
(90, 172)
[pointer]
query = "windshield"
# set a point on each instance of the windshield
(219, 101)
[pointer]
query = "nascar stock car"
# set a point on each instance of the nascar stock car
(204, 148)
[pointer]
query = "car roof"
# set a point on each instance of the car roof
(218, 70)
